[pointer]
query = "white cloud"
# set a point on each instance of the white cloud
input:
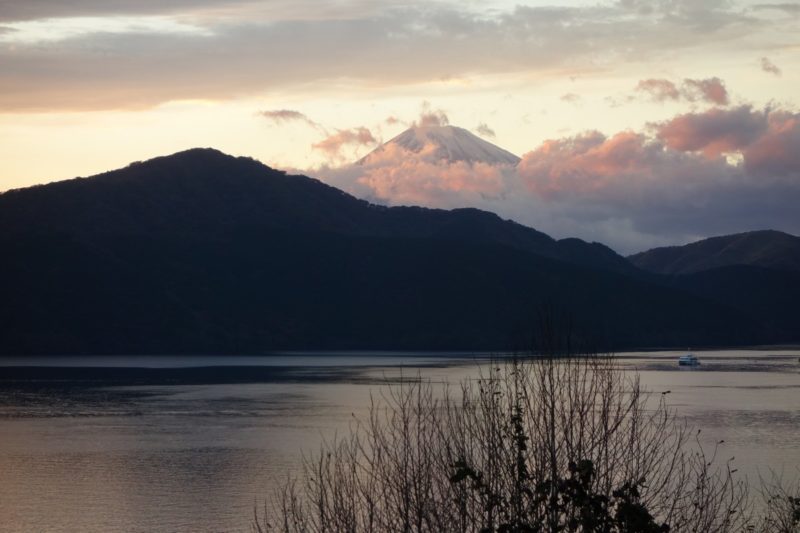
(60, 29)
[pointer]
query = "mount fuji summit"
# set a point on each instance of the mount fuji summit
(445, 143)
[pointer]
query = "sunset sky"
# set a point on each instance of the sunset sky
(640, 122)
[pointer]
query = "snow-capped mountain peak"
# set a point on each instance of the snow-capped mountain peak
(446, 143)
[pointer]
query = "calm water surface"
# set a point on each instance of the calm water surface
(170, 448)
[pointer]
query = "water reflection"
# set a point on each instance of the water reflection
(143, 451)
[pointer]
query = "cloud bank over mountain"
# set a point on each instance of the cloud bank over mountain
(721, 170)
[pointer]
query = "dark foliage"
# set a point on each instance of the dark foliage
(623, 512)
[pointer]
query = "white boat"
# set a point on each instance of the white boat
(688, 360)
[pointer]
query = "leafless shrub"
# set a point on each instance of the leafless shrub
(559, 441)
(780, 505)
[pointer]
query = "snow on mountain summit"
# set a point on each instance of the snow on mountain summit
(448, 143)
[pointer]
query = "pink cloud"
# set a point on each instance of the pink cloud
(333, 144)
(777, 151)
(711, 90)
(685, 151)
(588, 163)
(768, 141)
(631, 189)
(659, 90)
(398, 176)
(713, 132)
(679, 172)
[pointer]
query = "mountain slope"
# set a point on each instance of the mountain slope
(253, 290)
(768, 249)
(206, 191)
(765, 294)
(204, 253)
(447, 143)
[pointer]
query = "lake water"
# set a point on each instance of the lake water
(193, 443)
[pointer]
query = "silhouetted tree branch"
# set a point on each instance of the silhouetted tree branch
(561, 441)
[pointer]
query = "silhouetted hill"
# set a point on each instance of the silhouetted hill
(769, 249)
(200, 252)
(205, 191)
(764, 294)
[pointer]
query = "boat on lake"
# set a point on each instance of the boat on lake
(688, 360)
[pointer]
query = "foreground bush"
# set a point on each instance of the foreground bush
(563, 441)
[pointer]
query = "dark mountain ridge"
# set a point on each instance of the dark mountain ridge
(757, 273)
(204, 190)
(765, 294)
(765, 248)
(200, 252)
